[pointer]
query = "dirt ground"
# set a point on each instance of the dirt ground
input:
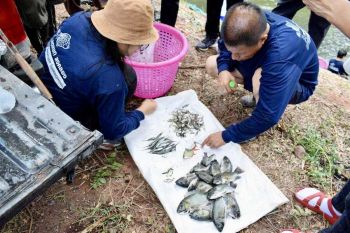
(123, 202)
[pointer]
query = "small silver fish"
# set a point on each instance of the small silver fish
(219, 191)
(193, 202)
(156, 137)
(219, 213)
(161, 145)
(226, 165)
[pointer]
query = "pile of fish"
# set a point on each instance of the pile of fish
(160, 145)
(185, 122)
(211, 189)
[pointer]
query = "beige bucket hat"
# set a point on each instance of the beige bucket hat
(126, 21)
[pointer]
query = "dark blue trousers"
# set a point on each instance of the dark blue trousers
(318, 26)
(168, 12)
(341, 202)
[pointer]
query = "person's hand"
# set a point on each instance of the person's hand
(323, 8)
(334, 11)
(214, 140)
(224, 80)
(148, 106)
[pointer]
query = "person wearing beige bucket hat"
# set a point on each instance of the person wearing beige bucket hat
(128, 22)
(84, 66)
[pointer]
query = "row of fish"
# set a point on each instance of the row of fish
(160, 145)
(211, 187)
(184, 122)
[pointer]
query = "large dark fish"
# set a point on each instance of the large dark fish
(227, 177)
(219, 213)
(198, 168)
(226, 165)
(204, 213)
(186, 180)
(205, 176)
(232, 206)
(203, 187)
(193, 185)
(215, 168)
(193, 202)
(219, 191)
(207, 159)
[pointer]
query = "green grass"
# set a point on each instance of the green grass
(321, 154)
(101, 175)
(107, 218)
(321, 157)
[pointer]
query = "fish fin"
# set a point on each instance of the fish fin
(233, 185)
(238, 170)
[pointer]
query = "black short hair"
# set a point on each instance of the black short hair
(244, 24)
(342, 53)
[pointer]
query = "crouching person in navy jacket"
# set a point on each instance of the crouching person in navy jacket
(272, 57)
(85, 69)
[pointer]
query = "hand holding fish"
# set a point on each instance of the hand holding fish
(148, 106)
(214, 140)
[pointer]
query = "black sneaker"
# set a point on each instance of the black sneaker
(205, 44)
(112, 145)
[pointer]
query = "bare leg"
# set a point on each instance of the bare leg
(256, 84)
(211, 66)
(212, 70)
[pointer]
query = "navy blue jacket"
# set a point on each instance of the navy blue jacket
(336, 67)
(288, 59)
(84, 81)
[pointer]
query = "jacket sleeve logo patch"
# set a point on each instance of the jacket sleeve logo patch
(63, 40)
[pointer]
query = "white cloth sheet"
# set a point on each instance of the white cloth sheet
(255, 193)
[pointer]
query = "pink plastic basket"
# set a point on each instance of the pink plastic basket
(323, 63)
(156, 78)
